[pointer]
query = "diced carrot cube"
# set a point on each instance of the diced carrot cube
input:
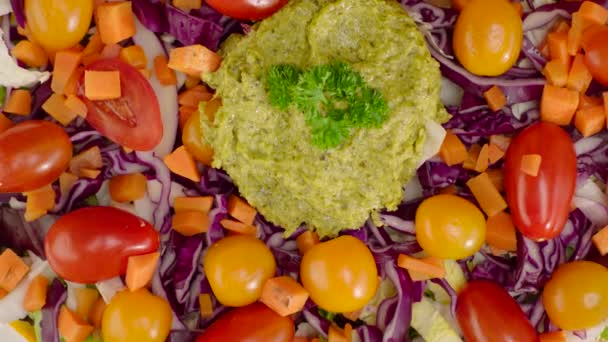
(284, 295)
(182, 163)
(241, 210)
(306, 241)
(189, 223)
(530, 164)
(164, 74)
(55, 106)
(558, 105)
(85, 301)
(75, 105)
(32, 54)
(135, 56)
(600, 240)
(590, 120)
(88, 159)
(558, 47)
(201, 203)
(206, 305)
(66, 181)
(556, 73)
(127, 188)
(452, 150)
(194, 60)
(238, 227)
(422, 269)
(19, 102)
(39, 202)
(71, 327)
(35, 297)
(12, 270)
(187, 5)
(496, 98)
(500, 232)
(140, 270)
(495, 153)
(471, 162)
(102, 85)
(115, 21)
(593, 13)
(192, 97)
(481, 165)
(579, 77)
(66, 63)
(486, 194)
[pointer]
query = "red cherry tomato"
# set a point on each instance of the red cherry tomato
(133, 120)
(487, 313)
(32, 155)
(596, 55)
(252, 323)
(94, 243)
(540, 204)
(247, 9)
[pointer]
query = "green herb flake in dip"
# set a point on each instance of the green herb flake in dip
(267, 149)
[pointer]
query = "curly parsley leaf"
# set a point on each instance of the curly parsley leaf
(280, 81)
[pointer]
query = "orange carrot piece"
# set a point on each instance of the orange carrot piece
(422, 269)
(452, 150)
(12, 270)
(192, 97)
(35, 297)
(482, 163)
(593, 12)
(90, 59)
(182, 163)
(140, 270)
(164, 74)
(111, 51)
(600, 240)
(102, 85)
(115, 21)
(241, 210)
(284, 295)
(339, 335)
(200, 203)
(5, 123)
(194, 60)
(556, 336)
(558, 47)
(189, 223)
(39, 202)
(75, 105)
(530, 164)
(206, 305)
(556, 73)
(89, 173)
(32, 54)
(71, 87)
(579, 77)
(66, 63)
(590, 120)
(306, 241)
(96, 313)
(589, 101)
(71, 327)
(185, 113)
(575, 34)
(187, 5)
(55, 106)
(66, 181)
(558, 105)
(238, 227)
(192, 81)
(497, 178)
(3, 293)
(88, 159)
(85, 301)
(135, 56)
(473, 155)
(500, 232)
(495, 153)
(486, 194)
(95, 45)
(561, 26)
(19, 102)
(127, 188)
(496, 98)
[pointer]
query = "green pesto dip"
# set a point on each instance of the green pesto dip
(268, 151)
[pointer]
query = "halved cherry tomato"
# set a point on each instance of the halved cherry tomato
(596, 55)
(540, 205)
(94, 243)
(252, 323)
(133, 120)
(33, 154)
(247, 9)
(487, 313)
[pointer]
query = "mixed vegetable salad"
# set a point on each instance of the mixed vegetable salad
(115, 226)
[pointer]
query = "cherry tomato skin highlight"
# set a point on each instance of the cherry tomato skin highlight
(488, 37)
(33, 154)
(136, 121)
(237, 268)
(540, 205)
(58, 24)
(340, 274)
(247, 9)
(136, 316)
(487, 313)
(596, 56)
(576, 296)
(252, 323)
(450, 227)
(94, 243)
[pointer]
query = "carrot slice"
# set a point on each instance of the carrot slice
(284, 295)
(90, 59)
(473, 155)
(600, 240)
(206, 305)
(530, 164)
(238, 227)
(182, 163)
(575, 35)
(88, 159)
(590, 120)
(579, 77)
(486, 194)
(558, 47)
(5, 123)
(192, 81)
(39, 202)
(35, 297)
(187, 5)
(497, 178)
(201, 203)
(495, 153)
(95, 45)
(189, 223)
(12, 270)
(593, 13)
(556, 336)
(164, 74)
(32, 54)
(75, 105)
(66, 181)
(306, 241)
(241, 210)
(85, 301)
(115, 21)
(589, 101)
(496, 98)
(66, 63)
(481, 165)
(135, 56)
(194, 96)
(556, 73)
(96, 314)
(127, 188)
(500, 232)
(452, 150)
(71, 327)
(422, 269)
(194, 60)
(102, 85)
(558, 105)
(19, 102)
(55, 106)
(140, 270)
(561, 26)
(339, 335)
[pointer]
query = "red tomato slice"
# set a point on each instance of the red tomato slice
(134, 120)
(596, 53)
(540, 204)
(247, 9)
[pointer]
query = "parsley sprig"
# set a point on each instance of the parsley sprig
(334, 98)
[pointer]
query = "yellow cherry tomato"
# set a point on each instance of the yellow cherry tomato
(576, 296)
(488, 36)
(136, 316)
(237, 267)
(58, 24)
(340, 274)
(192, 138)
(450, 227)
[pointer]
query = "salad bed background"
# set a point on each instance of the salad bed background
(180, 278)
